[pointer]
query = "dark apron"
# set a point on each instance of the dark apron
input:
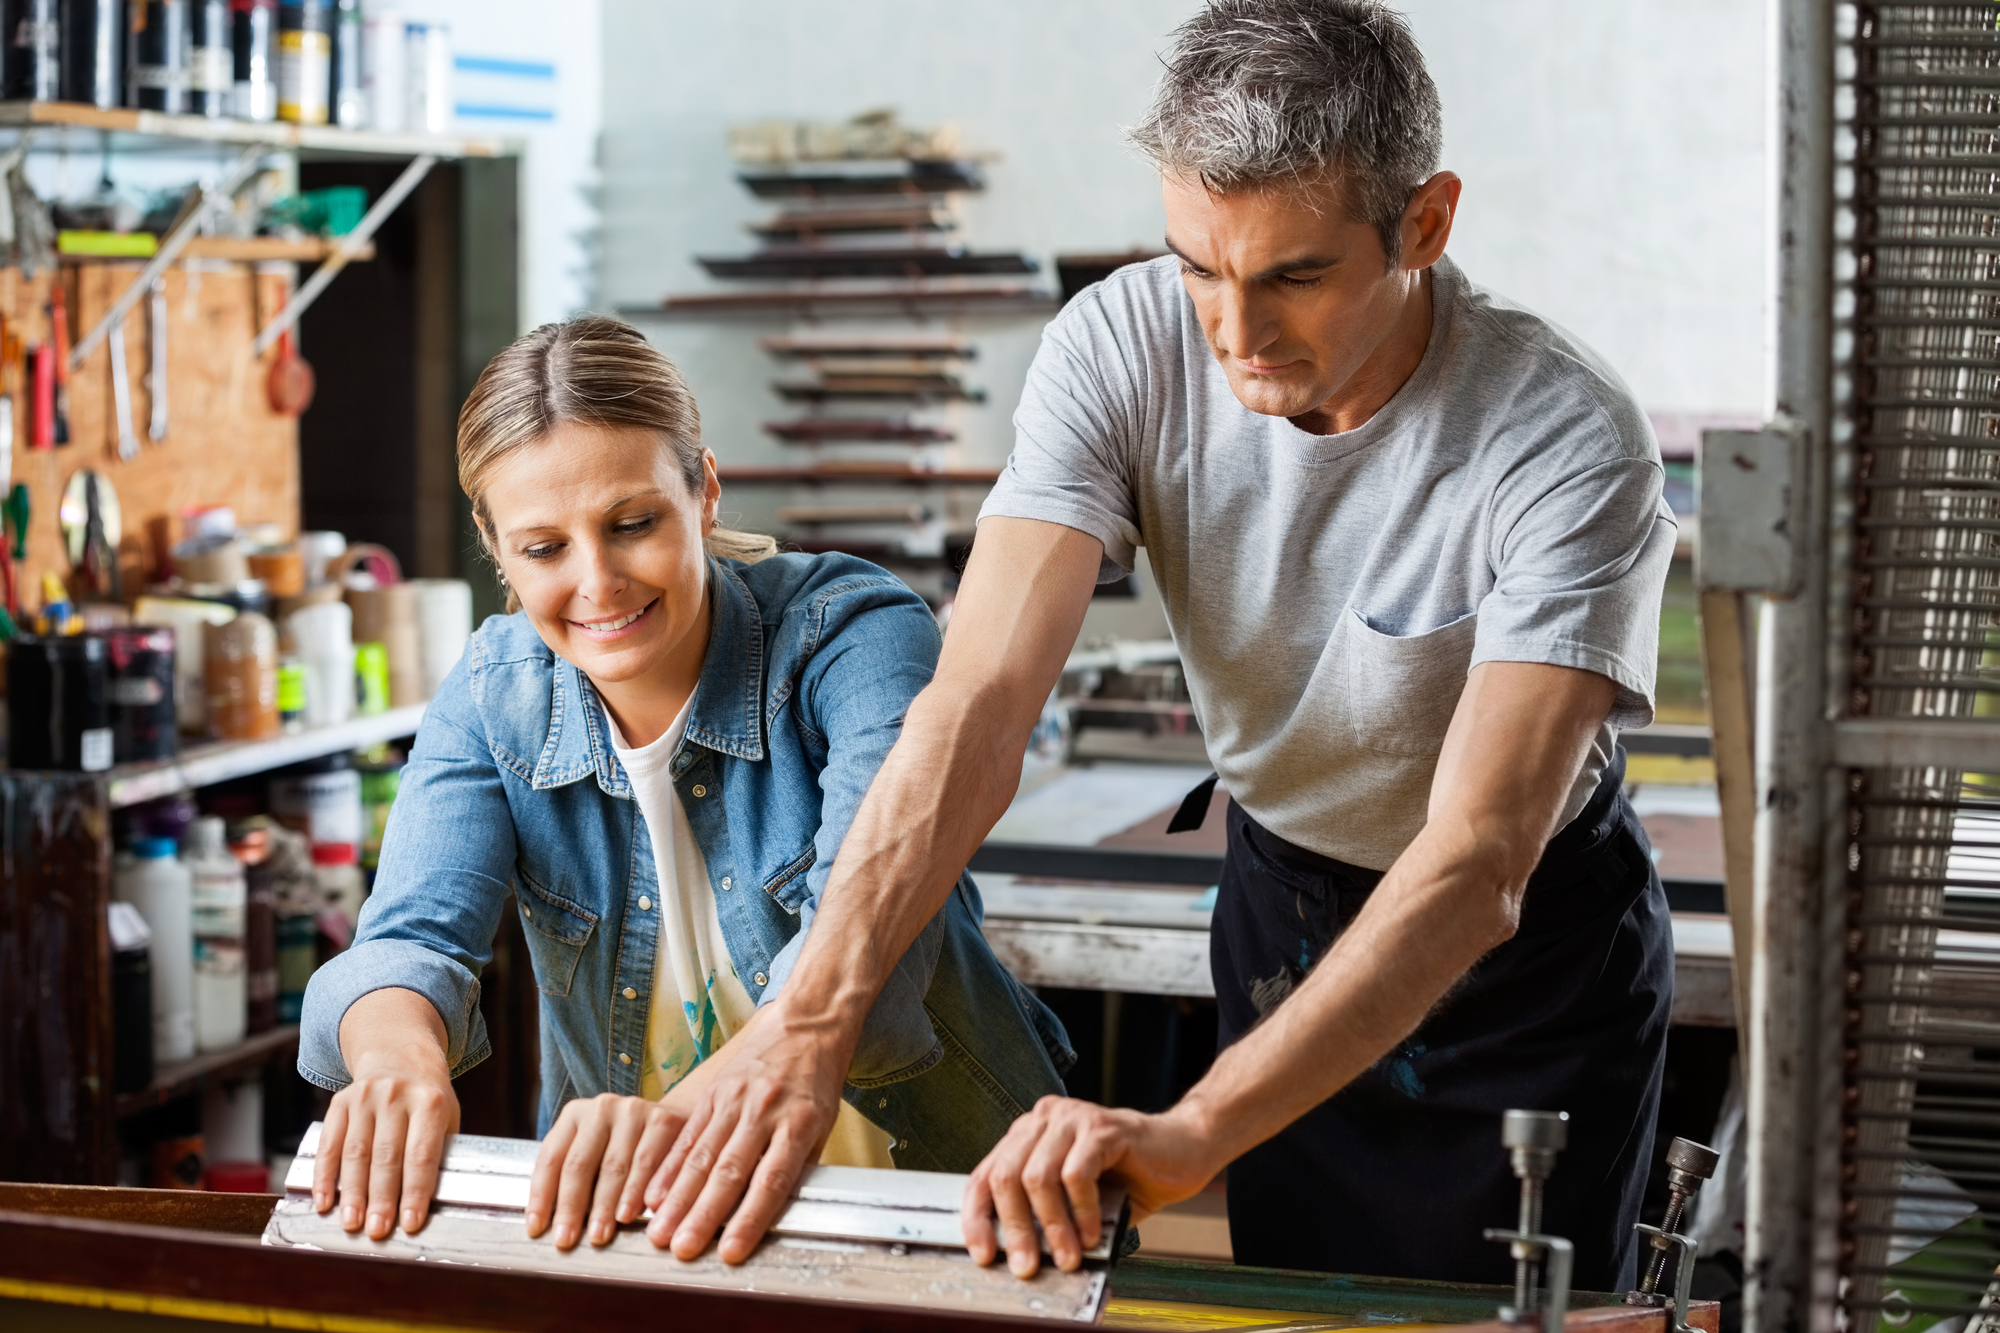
(1398, 1173)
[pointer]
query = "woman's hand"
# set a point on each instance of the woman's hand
(598, 1158)
(385, 1132)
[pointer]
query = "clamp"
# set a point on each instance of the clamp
(1533, 1138)
(1688, 1165)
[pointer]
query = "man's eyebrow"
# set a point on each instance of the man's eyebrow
(1302, 264)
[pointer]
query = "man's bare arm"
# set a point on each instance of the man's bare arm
(1517, 740)
(753, 1129)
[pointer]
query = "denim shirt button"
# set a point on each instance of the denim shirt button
(725, 884)
(631, 994)
(759, 979)
(624, 1059)
(700, 791)
(645, 904)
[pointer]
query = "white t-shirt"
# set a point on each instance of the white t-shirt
(698, 1001)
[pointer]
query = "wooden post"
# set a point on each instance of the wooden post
(1725, 652)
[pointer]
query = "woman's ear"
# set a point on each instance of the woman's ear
(711, 497)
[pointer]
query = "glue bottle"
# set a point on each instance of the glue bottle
(221, 967)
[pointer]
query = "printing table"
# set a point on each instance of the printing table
(1085, 889)
(83, 1259)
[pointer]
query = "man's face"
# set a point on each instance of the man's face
(1293, 294)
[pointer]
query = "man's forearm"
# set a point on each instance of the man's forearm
(1431, 918)
(954, 770)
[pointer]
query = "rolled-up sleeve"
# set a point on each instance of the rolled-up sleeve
(446, 871)
(878, 652)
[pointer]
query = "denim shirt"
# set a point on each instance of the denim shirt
(513, 788)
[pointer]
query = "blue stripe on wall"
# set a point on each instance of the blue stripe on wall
(518, 69)
(506, 112)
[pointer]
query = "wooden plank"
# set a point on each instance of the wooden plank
(187, 1210)
(246, 249)
(185, 1076)
(1725, 658)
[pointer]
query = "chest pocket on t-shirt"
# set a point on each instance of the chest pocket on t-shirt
(1402, 689)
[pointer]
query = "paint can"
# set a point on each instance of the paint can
(211, 68)
(282, 569)
(33, 61)
(241, 674)
(253, 35)
(348, 104)
(93, 55)
(321, 798)
(156, 78)
(305, 60)
(429, 69)
(385, 69)
(444, 624)
(59, 703)
(143, 722)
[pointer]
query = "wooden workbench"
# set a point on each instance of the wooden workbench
(79, 1259)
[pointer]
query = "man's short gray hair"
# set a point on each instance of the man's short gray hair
(1280, 92)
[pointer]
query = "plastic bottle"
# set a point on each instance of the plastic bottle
(334, 866)
(221, 903)
(162, 889)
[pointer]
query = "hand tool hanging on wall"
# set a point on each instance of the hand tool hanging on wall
(291, 383)
(42, 362)
(121, 396)
(156, 381)
(59, 331)
(1688, 1165)
(171, 245)
(849, 1234)
(1542, 1263)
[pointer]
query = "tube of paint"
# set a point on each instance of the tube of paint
(157, 77)
(385, 69)
(253, 33)
(305, 60)
(429, 71)
(33, 61)
(211, 57)
(347, 104)
(93, 57)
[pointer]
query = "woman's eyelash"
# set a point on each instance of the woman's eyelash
(636, 525)
(539, 552)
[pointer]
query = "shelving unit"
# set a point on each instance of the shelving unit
(185, 1077)
(204, 765)
(81, 128)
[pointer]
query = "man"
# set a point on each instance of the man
(1411, 544)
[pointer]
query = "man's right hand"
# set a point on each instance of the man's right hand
(383, 1139)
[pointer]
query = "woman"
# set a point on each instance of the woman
(657, 755)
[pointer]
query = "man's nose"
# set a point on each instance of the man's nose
(1244, 326)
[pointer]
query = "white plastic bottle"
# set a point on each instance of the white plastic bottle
(221, 906)
(161, 888)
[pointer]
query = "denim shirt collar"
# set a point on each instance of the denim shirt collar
(725, 715)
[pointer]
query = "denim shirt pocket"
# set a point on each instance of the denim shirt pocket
(557, 930)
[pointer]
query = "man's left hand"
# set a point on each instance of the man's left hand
(1047, 1167)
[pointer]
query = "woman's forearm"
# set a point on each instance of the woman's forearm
(393, 1027)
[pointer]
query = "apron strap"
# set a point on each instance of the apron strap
(1194, 807)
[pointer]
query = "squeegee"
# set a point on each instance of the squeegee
(849, 1234)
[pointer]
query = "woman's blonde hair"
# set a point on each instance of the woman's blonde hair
(592, 371)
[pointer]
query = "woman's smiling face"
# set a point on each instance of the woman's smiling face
(600, 537)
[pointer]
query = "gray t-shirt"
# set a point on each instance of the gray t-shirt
(1329, 593)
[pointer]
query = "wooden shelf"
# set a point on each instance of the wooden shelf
(312, 140)
(887, 475)
(913, 299)
(186, 1076)
(219, 761)
(249, 249)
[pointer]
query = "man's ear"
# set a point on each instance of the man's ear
(1427, 220)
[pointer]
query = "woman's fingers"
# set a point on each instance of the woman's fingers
(627, 1123)
(693, 1158)
(548, 1165)
(356, 1147)
(385, 1170)
(661, 1129)
(579, 1172)
(326, 1164)
(432, 1121)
